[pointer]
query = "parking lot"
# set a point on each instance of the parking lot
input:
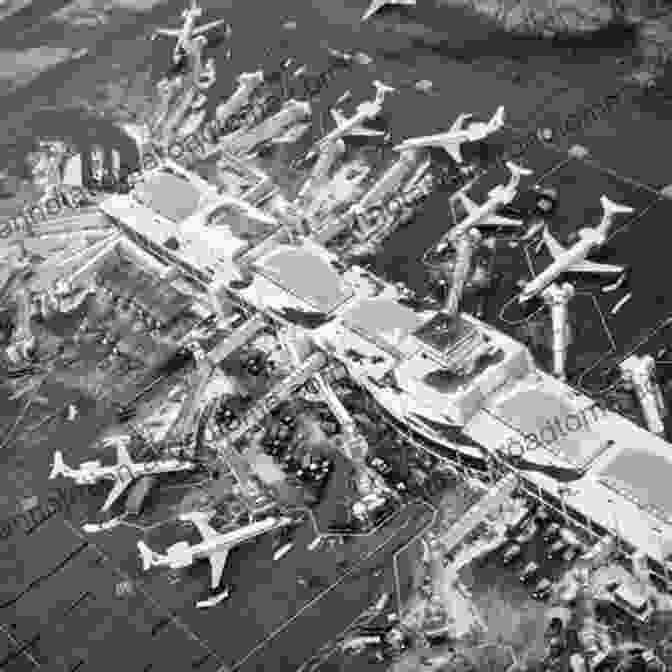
(503, 600)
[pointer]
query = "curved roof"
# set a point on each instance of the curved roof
(308, 276)
(383, 316)
(642, 475)
(170, 196)
(548, 420)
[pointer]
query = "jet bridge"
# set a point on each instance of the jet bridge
(496, 497)
(279, 393)
(465, 247)
(237, 339)
(187, 418)
(391, 180)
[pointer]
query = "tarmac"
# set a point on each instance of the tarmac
(471, 71)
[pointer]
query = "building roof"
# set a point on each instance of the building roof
(170, 196)
(384, 318)
(307, 275)
(550, 420)
(595, 494)
(642, 476)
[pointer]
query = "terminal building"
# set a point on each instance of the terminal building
(462, 389)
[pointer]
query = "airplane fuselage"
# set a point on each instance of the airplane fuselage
(135, 471)
(229, 540)
(140, 469)
(475, 218)
(359, 117)
(185, 36)
(435, 140)
(478, 131)
(562, 264)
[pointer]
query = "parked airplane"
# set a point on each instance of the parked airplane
(573, 259)
(188, 31)
(452, 140)
(366, 111)
(215, 545)
(379, 4)
(124, 473)
(484, 215)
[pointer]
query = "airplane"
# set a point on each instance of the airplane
(124, 473)
(366, 111)
(573, 259)
(452, 140)
(188, 31)
(484, 215)
(376, 5)
(215, 545)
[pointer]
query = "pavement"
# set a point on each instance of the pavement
(62, 602)
(473, 69)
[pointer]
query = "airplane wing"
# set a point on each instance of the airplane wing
(498, 220)
(596, 268)
(168, 32)
(362, 130)
(457, 124)
(118, 489)
(217, 564)
(554, 247)
(122, 455)
(204, 529)
(453, 149)
(338, 117)
(207, 26)
(467, 203)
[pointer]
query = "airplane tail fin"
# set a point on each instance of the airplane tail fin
(382, 89)
(200, 516)
(147, 556)
(508, 191)
(610, 210)
(517, 172)
(59, 468)
(497, 120)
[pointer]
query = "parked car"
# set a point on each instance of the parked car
(553, 530)
(542, 590)
(288, 420)
(290, 464)
(529, 572)
(255, 365)
(276, 448)
(535, 201)
(556, 548)
(382, 467)
(226, 416)
(527, 534)
(571, 554)
(511, 553)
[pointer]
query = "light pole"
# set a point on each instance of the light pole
(614, 525)
(563, 491)
(661, 547)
